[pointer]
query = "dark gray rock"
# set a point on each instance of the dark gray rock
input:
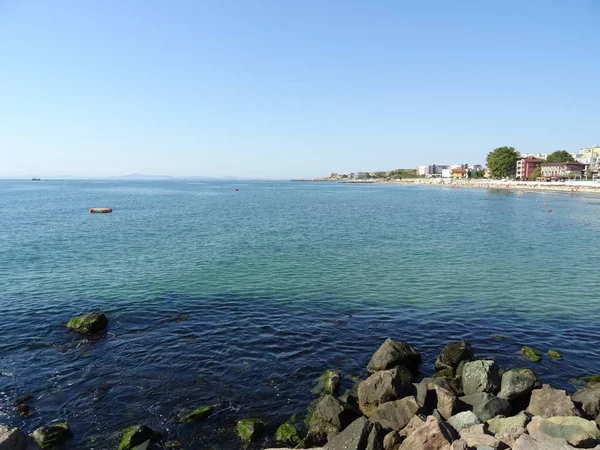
(481, 376)
(588, 400)
(357, 436)
(381, 387)
(517, 383)
(16, 439)
(396, 414)
(137, 435)
(329, 418)
(494, 407)
(52, 435)
(394, 353)
(452, 355)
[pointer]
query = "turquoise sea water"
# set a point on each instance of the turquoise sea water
(242, 298)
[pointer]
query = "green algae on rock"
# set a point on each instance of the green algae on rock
(328, 383)
(444, 373)
(92, 322)
(498, 337)
(554, 354)
(287, 434)
(531, 354)
(191, 415)
(52, 435)
(136, 435)
(250, 429)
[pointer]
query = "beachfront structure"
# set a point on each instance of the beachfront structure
(563, 170)
(424, 170)
(360, 175)
(460, 173)
(526, 166)
(591, 158)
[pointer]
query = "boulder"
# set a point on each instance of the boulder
(517, 383)
(143, 446)
(495, 406)
(329, 418)
(573, 434)
(476, 436)
(481, 376)
(288, 435)
(429, 436)
(415, 423)
(394, 353)
(549, 402)
(441, 399)
(459, 445)
(137, 435)
(588, 425)
(52, 435)
(16, 439)
(540, 441)
(359, 435)
(463, 419)
(515, 425)
(554, 354)
(328, 383)
(396, 414)
(192, 415)
(588, 400)
(392, 440)
(92, 322)
(452, 355)
(381, 387)
(469, 402)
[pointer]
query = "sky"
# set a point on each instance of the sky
(289, 89)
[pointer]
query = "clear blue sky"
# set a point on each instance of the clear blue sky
(290, 88)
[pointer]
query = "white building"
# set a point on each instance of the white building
(591, 158)
(424, 170)
(447, 173)
(534, 155)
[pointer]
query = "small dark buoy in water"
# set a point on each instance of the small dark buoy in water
(549, 210)
(236, 189)
(100, 210)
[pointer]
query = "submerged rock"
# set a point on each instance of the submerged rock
(328, 383)
(394, 353)
(381, 387)
(250, 429)
(288, 435)
(137, 435)
(554, 354)
(16, 439)
(531, 353)
(549, 402)
(452, 355)
(52, 435)
(92, 322)
(192, 415)
(481, 376)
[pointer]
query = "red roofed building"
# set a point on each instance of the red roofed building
(525, 166)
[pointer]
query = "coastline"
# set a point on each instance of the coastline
(571, 187)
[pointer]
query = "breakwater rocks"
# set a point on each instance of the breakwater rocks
(468, 404)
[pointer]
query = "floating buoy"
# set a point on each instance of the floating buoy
(100, 210)
(549, 210)
(236, 189)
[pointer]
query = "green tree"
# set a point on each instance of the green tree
(560, 156)
(537, 172)
(501, 162)
(479, 173)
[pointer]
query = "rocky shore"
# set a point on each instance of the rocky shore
(468, 404)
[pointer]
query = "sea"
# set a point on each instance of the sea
(240, 294)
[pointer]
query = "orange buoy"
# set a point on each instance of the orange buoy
(100, 210)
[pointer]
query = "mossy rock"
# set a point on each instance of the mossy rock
(172, 444)
(328, 383)
(593, 378)
(498, 337)
(444, 373)
(93, 322)
(192, 415)
(554, 354)
(249, 429)
(288, 435)
(531, 354)
(136, 435)
(53, 435)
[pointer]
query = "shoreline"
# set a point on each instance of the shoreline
(571, 187)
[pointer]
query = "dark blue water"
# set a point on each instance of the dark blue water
(242, 299)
